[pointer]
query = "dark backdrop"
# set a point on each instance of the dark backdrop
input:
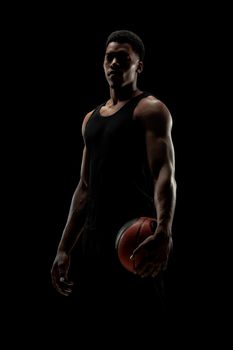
(59, 78)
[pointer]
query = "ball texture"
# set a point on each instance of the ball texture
(130, 236)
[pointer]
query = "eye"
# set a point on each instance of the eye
(109, 57)
(122, 57)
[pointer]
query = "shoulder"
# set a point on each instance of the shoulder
(85, 120)
(152, 112)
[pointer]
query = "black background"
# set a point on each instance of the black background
(56, 67)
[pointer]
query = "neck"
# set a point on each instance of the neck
(123, 94)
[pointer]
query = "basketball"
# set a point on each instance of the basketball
(130, 236)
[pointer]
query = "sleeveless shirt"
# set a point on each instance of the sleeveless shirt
(120, 185)
(120, 188)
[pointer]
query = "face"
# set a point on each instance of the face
(121, 65)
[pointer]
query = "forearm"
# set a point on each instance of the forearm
(75, 219)
(165, 199)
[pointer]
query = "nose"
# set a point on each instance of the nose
(114, 63)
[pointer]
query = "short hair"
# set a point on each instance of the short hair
(129, 37)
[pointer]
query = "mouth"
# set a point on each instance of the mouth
(114, 74)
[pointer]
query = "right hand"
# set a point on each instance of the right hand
(59, 274)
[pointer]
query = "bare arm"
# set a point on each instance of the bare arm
(77, 210)
(162, 163)
(72, 229)
(158, 124)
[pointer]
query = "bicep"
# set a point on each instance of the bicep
(84, 167)
(85, 158)
(160, 152)
(157, 122)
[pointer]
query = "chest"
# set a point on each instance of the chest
(114, 131)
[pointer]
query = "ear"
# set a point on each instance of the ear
(139, 67)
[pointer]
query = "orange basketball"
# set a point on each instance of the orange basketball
(130, 236)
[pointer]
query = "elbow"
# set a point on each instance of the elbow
(83, 186)
(174, 183)
(83, 183)
(171, 180)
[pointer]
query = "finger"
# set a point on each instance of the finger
(60, 289)
(61, 284)
(65, 281)
(140, 266)
(136, 251)
(64, 289)
(157, 270)
(65, 286)
(147, 271)
(64, 292)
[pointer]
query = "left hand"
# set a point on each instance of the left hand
(154, 252)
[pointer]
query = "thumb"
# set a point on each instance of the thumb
(136, 250)
(63, 271)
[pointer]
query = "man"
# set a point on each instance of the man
(127, 171)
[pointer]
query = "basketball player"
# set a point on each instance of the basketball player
(127, 171)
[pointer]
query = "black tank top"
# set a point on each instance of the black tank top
(120, 183)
